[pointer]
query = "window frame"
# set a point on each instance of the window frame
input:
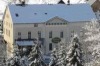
(50, 34)
(19, 35)
(29, 34)
(50, 47)
(35, 25)
(61, 34)
(39, 34)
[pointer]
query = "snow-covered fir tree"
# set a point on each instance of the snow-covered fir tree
(18, 59)
(24, 61)
(62, 57)
(92, 40)
(15, 60)
(74, 56)
(54, 58)
(36, 57)
(58, 55)
(62, 53)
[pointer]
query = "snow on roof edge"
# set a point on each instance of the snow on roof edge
(92, 15)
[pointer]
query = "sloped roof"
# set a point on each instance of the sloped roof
(37, 13)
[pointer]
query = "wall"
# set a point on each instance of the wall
(8, 32)
(45, 29)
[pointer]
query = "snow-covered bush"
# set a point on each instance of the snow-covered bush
(92, 41)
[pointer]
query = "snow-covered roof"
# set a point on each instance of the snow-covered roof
(37, 13)
(25, 43)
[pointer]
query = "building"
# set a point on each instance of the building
(46, 21)
(95, 4)
(1, 27)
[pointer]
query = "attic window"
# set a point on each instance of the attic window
(45, 13)
(35, 13)
(16, 14)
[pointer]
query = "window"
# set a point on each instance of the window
(72, 33)
(50, 46)
(35, 25)
(9, 33)
(45, 13)
(16, 15)
(4, 30)
(11, 25)
(29, 35)
(49, 24)
(61, 34)
(35, 13)
(50, 34)
(57, 23)
(60, 23)
(39, 34)
(19, 35)
(6, 23)
(52, 24)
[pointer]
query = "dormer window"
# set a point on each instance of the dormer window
(45, 13)
(35, 13)
(16, 15)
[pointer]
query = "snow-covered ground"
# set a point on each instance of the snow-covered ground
(3, 3)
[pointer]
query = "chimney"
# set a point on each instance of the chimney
(23, 2)
(68, 2)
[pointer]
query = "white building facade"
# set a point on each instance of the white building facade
(44, 21)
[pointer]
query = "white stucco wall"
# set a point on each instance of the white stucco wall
(8, 32)
(45, 29)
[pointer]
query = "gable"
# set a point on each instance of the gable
(7, 16)
(57, 20)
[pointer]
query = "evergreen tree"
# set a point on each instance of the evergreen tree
(36, 57)
(15, 60)
(92, 42)
(54, 58)
(62, 57)
(18, 59)
(24, 61)
(74, 56)
(62, 54)
(58, 55)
